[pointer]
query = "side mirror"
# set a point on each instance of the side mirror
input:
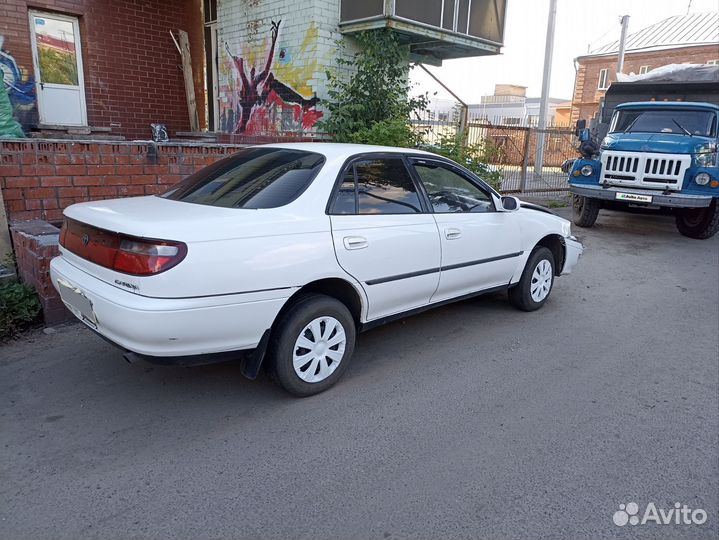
(581, 124)
(510, 203)
(585, 135)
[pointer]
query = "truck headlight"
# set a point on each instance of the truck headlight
(702, 178)
(587, 170)
(706, 155)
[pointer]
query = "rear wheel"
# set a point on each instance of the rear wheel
(585, 210)
(312, 344)
(700, 223)
(536, 282)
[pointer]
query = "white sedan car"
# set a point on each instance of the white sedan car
(284, 252)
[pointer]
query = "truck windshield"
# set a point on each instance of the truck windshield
(701, 123)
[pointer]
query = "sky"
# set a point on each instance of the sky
(579, 24)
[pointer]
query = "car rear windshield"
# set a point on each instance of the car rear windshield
(686, 122)
(252, 178)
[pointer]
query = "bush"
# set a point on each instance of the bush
(472, 156)
(372, 105)
(386, 133)
(19, 307)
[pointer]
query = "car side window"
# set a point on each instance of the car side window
(377, 186)
(346, 200)
(450, 192)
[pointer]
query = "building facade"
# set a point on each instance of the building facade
(110, 64)
(247, 67)
(688, 39)
(509, 105)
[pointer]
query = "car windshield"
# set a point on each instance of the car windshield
(681, 121)
(252, 178)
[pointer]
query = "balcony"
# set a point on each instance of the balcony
(435, 30)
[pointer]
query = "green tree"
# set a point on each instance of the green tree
(373, 105)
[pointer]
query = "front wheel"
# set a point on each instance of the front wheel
(312, 344)
(536, 282)
(585, 210)
(699, 223)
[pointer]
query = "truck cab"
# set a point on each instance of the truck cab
(656, 154)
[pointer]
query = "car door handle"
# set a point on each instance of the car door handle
(451, 234)
(355, 242)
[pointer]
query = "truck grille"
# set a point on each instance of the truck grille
(654, 171)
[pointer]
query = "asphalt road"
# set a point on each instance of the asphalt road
(473, 420)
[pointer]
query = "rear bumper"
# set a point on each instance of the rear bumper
(574, 250)
(673, 200)
(168, 327)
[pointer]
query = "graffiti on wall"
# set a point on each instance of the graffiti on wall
(20, 88)
(266, 90)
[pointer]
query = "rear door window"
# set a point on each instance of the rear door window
(377, 186)
(346, 199)
(252, 178)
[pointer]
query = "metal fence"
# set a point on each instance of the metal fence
(511, 150)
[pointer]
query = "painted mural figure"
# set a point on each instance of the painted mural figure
(257, 88)
(20, 89)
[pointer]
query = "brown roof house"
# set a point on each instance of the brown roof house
(682, 39)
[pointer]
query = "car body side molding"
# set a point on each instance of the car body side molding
(442, 268)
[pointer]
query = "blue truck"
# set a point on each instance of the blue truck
(658, 153)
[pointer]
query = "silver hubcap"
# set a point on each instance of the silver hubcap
(319, 349)
(541, 280)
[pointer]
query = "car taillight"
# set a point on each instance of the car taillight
(141, 257)
(121, 252)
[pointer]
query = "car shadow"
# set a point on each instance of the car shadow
(222, 381)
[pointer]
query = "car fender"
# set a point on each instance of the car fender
(535, 225)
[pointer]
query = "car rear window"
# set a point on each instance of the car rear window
(252, 178)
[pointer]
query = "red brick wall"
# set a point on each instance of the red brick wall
(36, 243)
(131, 65)
(585, 103)
(39, 178)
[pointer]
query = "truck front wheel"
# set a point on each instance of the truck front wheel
(585, 210)
(700, 223)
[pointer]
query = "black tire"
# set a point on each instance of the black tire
(301, 313)
(585, 210)
(520, 296)
(699, 223)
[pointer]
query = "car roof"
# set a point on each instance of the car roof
(345, 150)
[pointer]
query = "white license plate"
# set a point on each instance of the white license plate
(633, 197)
(76, 302)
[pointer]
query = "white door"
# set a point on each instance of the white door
(58, 69)
(480, 246)
(384, 238)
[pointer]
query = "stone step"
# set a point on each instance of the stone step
(100, 133)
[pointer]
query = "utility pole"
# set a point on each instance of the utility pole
(546, 78)
(622, 43)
